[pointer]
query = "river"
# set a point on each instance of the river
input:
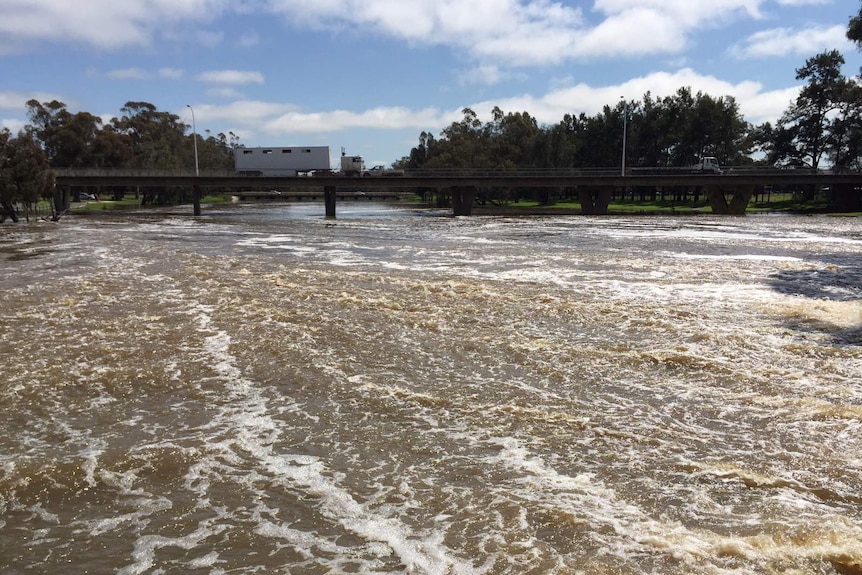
(263, 390)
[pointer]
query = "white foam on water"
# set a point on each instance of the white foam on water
(749, 257)
(146, 546)
(247, 428)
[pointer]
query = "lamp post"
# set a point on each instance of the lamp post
(196, 192)
(195, 136)
(625, 127)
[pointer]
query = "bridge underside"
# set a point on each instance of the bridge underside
(727, 194)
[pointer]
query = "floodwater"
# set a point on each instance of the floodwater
(262, 390)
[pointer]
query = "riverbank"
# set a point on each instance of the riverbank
(781, 205)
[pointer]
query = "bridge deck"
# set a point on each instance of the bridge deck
(551, 178)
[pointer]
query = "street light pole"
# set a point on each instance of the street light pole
(625, 127)
(196, 191)
(195, 136)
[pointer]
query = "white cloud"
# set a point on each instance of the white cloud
(689, 13)
(755, 104)
(233, 77)
(501, 33)
(253, 117)
(129, 74)
(376, 118)
(245, 113)
(785, 41)
(105, 24)
(530, 32)
(802, 2)
(14, 126)
(486, 75)
(657, 32)
(18, 100)
(225, 93)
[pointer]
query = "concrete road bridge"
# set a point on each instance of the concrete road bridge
(728, 193)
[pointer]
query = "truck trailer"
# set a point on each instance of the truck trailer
(281, 161)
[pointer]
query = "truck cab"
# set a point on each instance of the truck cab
(352, 165)
(708, 164)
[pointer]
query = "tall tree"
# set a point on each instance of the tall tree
(66, 137)
(808, 120)
(157, 138)
(854, 29)
(25, 175)
(844, 143)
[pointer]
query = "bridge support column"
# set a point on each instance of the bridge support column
(462, 200)
(196, 199)
(738, 201)
(329, 200)
(594, 199)
(845, 198)
(62, 199)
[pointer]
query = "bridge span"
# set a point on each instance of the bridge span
(594, 187)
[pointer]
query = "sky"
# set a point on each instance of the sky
(370, 75)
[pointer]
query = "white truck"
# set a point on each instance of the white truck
(707, 164)
(355, 166)
(273, 161)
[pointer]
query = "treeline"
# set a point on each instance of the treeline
(823, 124)
(141, 138)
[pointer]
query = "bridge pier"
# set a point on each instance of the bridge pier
(329, 201)
(738, 202)
(196, 199)
(462, 200)
(845, 198)
(594, 199)
(62, 198)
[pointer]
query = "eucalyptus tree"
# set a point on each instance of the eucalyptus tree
(66, 137)
(854, 29)
(158, 142)
(216, 151)
(557, 146)
(844, 141)
(462, 144)
(25, 175)
(603, 134)
(7, 192)
(650, 138)
(157, 138)
(809, 118)
(512, 139)
(419, 154)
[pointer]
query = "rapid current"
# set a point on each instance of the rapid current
(263, 390)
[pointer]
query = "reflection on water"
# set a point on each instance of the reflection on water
(265, 390)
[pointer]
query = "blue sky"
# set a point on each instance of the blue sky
(370, 75)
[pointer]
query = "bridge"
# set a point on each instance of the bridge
(594, 186)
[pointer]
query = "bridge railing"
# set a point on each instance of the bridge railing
(457, 172)
(139, 173)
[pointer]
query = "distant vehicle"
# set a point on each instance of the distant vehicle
(355, 166)
(86, 196)
(707, 164)
(352, 165)
(382, 171)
